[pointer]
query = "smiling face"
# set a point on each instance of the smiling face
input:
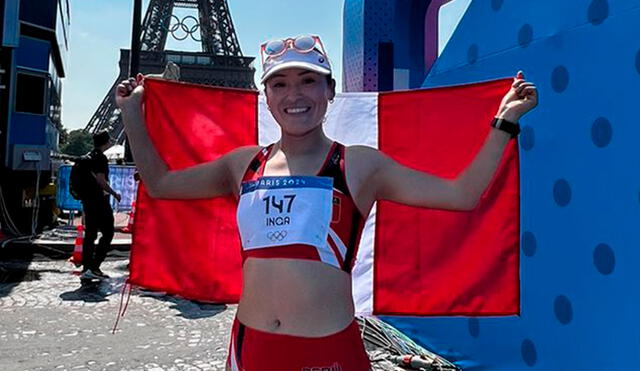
(298, 99)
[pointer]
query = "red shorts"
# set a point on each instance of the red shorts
(255, 350)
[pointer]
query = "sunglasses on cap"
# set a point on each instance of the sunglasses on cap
(302, 44)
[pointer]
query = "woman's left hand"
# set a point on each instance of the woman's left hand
(520, 99)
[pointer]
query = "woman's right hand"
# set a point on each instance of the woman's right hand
(129, 93)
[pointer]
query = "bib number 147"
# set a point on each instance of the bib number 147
(278, 204)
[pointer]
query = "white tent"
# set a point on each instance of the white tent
(115, 152)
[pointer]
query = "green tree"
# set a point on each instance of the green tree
(78, 143)
(64, 135)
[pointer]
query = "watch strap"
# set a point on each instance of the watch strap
(509, 127)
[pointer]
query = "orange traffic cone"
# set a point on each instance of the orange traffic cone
(129, 227)
(76, 257)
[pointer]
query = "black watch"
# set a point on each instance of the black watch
(509, 127)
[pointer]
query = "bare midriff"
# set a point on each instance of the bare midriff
(295, 297)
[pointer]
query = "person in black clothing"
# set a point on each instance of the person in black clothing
(97, 211)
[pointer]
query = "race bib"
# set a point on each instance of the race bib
(285, 210)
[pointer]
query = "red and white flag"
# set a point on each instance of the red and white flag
(411, 261)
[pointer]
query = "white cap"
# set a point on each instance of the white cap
(313, 61)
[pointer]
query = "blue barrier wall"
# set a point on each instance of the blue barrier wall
(120, 178)
(580, 185)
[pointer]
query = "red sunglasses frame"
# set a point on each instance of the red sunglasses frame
(289, 43)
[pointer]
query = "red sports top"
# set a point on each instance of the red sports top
(346, 221)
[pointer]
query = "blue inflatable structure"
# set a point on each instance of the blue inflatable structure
(580, 158)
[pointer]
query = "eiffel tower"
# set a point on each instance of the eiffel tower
(220, 63)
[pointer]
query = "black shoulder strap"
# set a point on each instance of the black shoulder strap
(334, 167)
(256, 166)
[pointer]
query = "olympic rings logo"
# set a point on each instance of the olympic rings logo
(277, 236)
(180, 30)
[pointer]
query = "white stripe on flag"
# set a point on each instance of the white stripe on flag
(362, 274)
(351, 119)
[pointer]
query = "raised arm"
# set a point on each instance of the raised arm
(388, 180)
(207, 180)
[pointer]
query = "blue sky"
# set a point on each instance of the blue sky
(100, 28)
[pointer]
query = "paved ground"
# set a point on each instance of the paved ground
(49, 321)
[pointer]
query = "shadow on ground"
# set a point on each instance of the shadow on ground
(187, 308)
(15, 260)
(93, 291)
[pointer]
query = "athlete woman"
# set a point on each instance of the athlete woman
(296, 311)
